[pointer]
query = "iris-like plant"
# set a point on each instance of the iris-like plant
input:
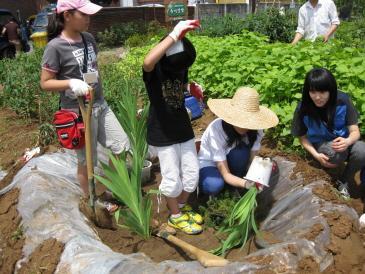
(124, 183)
(239, 223)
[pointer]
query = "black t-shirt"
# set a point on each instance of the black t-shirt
(168, 121)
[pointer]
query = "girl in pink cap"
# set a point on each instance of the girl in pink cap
(69, 66)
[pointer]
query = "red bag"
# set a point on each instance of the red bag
(69, 129)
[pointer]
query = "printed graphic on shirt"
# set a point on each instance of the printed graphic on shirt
(91, 59)
(172, 92)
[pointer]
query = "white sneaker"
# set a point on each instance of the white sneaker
(343, 189)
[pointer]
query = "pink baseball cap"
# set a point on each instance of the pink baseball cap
(85, 6)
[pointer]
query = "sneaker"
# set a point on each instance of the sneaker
(184, 224)
(197, 218)
(343, 189)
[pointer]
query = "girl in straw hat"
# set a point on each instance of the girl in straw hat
(326, 123)
(169, 130)
(230, 141)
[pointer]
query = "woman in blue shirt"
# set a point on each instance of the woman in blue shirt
(326, 123)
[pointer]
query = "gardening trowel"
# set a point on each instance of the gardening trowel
(205, 258)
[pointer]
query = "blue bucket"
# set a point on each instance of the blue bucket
(193, 104)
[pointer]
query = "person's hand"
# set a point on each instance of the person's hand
(340, 144)
(196, 90)
(324, 160)
(259, 187)
(248, 184)
(326, 38)
(182, 28)
(78, 88)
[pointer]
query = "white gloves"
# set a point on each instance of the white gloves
(182, 28)
(77, 88)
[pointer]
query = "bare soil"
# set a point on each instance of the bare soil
(347, 242)
(121, 240)
(44, 258)
(11, 236)
(16, 135)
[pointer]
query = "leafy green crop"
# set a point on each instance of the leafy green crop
(240, 222)
(20, 78)
(218, 208)
(352, 33)
(126, 185)
(273, 24)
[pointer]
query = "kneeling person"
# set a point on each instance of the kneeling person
(230, 142)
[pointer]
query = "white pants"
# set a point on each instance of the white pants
(179, 168)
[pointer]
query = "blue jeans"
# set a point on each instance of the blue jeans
(210, 179)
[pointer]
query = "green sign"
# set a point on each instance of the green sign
(176, 10)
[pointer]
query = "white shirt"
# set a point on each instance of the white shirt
(313, 22)
(213, 147)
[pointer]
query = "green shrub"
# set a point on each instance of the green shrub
(112, 76)
(136, 40)
(22, 93)
(355, 7)
(268, 22)
(352, 33)
(108, 38)
(218, 208)
(154, 28)
(216, 26)
(117, 34)
(272, 24)
(137, 33)
(47, 134)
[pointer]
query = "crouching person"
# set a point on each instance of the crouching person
(169, 130)
(326, 123)
(232, 140)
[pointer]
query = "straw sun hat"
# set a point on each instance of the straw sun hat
(243, 110)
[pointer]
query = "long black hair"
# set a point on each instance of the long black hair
(234, 138)
(322, 80)
(56, 25)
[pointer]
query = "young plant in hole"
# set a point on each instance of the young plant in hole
(124, 183)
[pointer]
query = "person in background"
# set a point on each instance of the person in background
(12, 31)
(316, 18)
(165, 73)
(230, 142)
(326, 123)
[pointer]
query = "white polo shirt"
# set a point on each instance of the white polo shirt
(313, 22)
(213, 147)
